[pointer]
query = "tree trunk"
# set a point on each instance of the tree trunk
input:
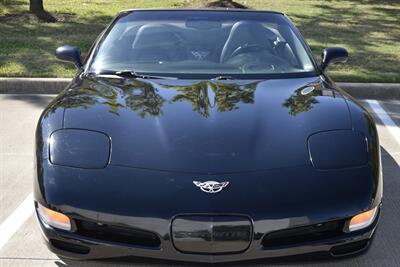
(225, 4)
(36, 7)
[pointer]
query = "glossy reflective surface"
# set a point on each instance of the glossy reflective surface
(79, 148)
(166, 134)
(282, 144)
(70, 53)
(209, 234)
(208, 127)
(333, 55)
(212, 42)
(338, 149)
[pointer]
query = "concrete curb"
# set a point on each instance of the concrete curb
(56, 85)
(33, 85)
(372, 90)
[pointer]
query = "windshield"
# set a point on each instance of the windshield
(217, 43)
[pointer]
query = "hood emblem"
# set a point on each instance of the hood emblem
(211, 186)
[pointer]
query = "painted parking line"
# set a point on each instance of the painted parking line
(385, 118)
(13, 222)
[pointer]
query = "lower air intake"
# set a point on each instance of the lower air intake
(118, 234)
(298, 235)
(70, 247)
(350, 248)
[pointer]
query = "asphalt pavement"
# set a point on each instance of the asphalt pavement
(21, 243)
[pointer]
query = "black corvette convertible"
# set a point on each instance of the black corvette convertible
(209, 136)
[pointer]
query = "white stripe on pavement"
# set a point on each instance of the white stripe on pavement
(13, 222)
(385, 118)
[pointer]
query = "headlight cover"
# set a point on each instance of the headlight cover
(362, 220)
(338, 149)
(79, 148)
(54, 218)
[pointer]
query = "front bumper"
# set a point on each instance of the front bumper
(76, 246)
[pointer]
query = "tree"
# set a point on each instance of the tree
(225, 4)
(36, 8)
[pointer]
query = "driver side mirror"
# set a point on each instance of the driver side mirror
(71, 54)
(333, 55)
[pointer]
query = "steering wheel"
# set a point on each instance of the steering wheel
(246, 48)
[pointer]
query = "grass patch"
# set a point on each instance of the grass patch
(369, 29)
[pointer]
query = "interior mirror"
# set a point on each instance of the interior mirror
(333, 55)
(71, 54)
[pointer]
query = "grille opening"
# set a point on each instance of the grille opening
(73, 248)
(118, 234)
(303, 234)
(350, 248)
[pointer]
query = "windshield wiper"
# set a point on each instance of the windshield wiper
(130, 74)
(223, 77)
(133, 74)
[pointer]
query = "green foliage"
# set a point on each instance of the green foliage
(369, 29)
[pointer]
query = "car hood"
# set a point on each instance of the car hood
(204, 126)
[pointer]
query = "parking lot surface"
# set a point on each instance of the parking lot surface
(21, 243)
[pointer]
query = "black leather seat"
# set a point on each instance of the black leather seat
(247, 33)
(156, 42)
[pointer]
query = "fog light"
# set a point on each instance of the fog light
(362, 220)
(54, 218)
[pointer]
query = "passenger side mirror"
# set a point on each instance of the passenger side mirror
(333, 55)
(71, 54)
